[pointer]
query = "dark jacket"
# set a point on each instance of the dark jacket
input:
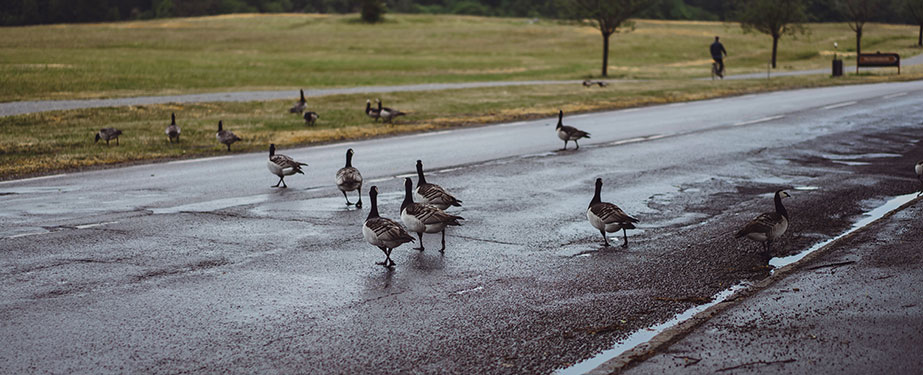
(717, 49)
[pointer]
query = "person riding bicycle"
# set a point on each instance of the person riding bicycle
(718, 53)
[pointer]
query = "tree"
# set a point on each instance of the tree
(372, 10)
(915, 10)
(857, 13)
(609, 16)
(773, 17)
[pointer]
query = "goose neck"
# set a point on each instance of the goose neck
(780, 209)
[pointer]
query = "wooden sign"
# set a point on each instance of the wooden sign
(879, 59)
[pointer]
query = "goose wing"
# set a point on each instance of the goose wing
(226, 136)
(573, 132)
(435, 194)
(284, 162)
(429, 214)
(761, 224)
(387, 230)
(611, 214)
(348, 176)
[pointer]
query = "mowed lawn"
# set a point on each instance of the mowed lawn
(290, 51)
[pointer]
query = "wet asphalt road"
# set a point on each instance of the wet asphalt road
(197, 265)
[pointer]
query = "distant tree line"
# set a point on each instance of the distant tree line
(31, 12)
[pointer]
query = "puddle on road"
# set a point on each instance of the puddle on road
(644, 335)
(806, 188)
(869, 218)
(852, 163)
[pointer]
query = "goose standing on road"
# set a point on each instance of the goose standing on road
(768, 227)
(372, 112)
(310, 118)
(424, 218)
(607, 217)
(225, 136)
(108, 134)
(388, 114)
(432, 194)
(919, 169)
(569, 133)
(349, 179)
(300, 106)
(384, 233)
(281, 165)
(173, 130)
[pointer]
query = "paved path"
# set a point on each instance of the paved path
(915, 60)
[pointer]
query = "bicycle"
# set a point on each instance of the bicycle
(715, 72)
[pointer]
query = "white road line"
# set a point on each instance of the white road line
(630, 110)
(85, 226)
(759, 120)
(894, 95)
(832, 106)
(627, 141)
(513, 124)
(33, 179)
(199, 160)
(26, 234)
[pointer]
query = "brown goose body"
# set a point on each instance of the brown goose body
(431, 193)
(607, 217)
(569, 133)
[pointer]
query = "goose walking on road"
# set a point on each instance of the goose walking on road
(349, 179)
(384, 233)
(173, 130)
(310, 118)
(919, 169)
(300, 106)
(607, 217)
(424, 218)
(372, 112)
(569, 133)
(769, 226)
(281, 165)
(225, 136)
(388, 114)
(108, 134)
(431, 193)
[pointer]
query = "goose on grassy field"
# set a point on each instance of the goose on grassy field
(424, 218)
(300, 106)
(431, 193)
(919, 169)
(281, 165)
(569, 133)
(108, 134)
(349, 179)
(173, 130)
(372, 112)
(388, 114)
(769, 226)
(607, 217)
(386, 234)
(225, 136)
(310, 118)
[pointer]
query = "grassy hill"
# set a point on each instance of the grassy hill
(289, 51)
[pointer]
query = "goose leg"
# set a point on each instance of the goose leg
(602, 232)
(565, 145)
(107, 143)
(420, 235)
(277, 184)
(282, 180)
(387, 257)
(116, 141)
(177, 138)
(348, 203)
(359, 203)
(229, 147)
(442, 250)
(625, 236)
(390, 262)
(578, 145)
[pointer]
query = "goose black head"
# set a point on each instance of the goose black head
(172, 119)
(302, 95)
(272, 149)
(219, 126)
(97, 138)
(596, 195)
(560, 119)
(782, 193)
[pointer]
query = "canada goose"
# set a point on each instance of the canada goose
(424, 218)
(608, 217)
(310, 118)
(300, 105)
(108, 134)
(767, 227)
(919, 169)
(384, 233)
(173, 129)
(587, 83)
(602, 83)
(372, 112)
(281, 165)
(569, 133)
(349, 179)
(388, 114)
(431, 193)
(225, 136)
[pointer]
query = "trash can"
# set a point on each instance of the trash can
(837, 68)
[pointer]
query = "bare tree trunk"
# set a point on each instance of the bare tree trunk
(858, 47)
(605, 54)
(775, 47)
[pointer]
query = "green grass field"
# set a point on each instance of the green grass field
(252, 52)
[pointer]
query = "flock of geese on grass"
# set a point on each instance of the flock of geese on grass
(423, 208)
